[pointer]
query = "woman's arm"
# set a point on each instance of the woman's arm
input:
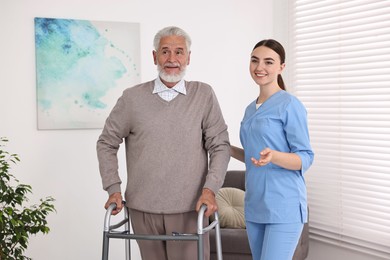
(237, 153)
(290, 161)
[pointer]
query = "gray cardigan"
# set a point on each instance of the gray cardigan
(173, 149)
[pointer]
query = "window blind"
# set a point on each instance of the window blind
(340, 69)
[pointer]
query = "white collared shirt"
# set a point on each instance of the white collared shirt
(166, 93)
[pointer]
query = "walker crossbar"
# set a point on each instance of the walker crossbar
(110, 232)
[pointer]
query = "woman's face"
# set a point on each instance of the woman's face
(265, 66)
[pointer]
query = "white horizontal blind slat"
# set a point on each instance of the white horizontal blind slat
(340, 70)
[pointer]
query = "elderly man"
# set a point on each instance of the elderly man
(177, 151)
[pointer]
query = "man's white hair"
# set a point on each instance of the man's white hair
(169, 31)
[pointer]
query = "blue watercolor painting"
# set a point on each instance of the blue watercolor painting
(82, 67)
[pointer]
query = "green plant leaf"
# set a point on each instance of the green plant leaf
(17, 221)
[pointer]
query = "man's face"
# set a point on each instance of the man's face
(171, 59)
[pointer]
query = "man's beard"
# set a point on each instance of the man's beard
(169, 77)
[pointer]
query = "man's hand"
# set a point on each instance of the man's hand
(117, 199)
(207, 198)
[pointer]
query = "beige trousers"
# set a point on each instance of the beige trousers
(166, 224)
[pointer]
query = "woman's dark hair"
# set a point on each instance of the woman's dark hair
(278, 48)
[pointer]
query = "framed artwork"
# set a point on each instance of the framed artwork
(82, 67)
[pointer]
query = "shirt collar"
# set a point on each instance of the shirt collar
(159, 86)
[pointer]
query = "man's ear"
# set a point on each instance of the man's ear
(154, 57)
(189, 58)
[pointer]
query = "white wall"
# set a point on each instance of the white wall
(324, 251)
(62, 163)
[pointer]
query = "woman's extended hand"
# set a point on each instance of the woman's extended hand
(265, 158)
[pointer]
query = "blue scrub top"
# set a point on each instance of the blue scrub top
(275, 194)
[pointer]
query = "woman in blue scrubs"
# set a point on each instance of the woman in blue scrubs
(277, 153)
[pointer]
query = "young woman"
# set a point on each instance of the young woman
(277, 153)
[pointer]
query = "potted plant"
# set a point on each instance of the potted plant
(18, 221)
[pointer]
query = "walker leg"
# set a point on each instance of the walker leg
(218, 241)
(128, 249)
(200, 247)
(105, 246)
(127, 241)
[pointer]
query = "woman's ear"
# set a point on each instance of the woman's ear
(282, 67)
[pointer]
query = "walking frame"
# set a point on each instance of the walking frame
(111, 232)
